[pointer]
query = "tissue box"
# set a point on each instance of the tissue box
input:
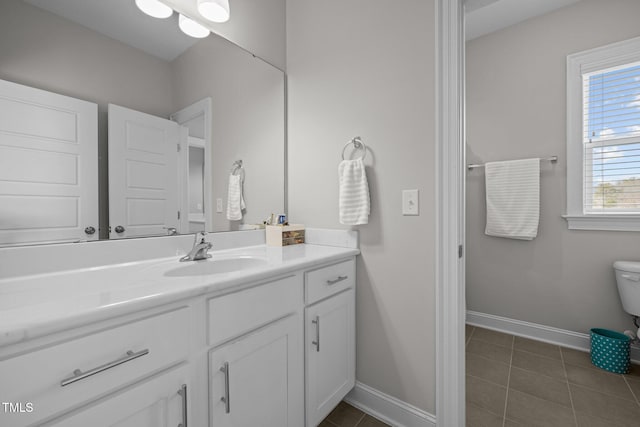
(285, 235)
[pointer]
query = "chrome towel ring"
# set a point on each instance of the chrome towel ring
(357, 144)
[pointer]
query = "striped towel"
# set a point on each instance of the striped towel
(513, 198)
(235, 199)
(354, 193)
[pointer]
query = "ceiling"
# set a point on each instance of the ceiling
(487, 16)
(123, 21)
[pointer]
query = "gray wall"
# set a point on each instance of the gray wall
(248, 120)
(364, 68)
(516, 108)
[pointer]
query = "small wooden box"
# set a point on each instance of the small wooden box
(285, 235)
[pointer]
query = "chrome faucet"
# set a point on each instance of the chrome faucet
(199, 250)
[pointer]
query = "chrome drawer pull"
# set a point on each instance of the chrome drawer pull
(79, 375)
(183, 393)
(227, 404)
(316, 321)
(339, 279)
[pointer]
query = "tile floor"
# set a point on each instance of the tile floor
(346, 415)
(513, 381)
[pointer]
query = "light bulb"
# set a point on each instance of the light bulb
(154, 8)
(192, 28)
(214, 10)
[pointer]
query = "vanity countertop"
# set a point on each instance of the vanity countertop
(36, 305)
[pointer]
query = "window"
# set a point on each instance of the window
(603, 138)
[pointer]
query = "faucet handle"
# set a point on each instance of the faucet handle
(200, 237)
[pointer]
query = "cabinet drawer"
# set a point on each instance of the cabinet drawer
(37, 377)
(235, 314)
(330, 280)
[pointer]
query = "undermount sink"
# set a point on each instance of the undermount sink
(216, 266)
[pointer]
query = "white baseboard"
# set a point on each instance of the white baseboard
(562, 337)
(387, 408)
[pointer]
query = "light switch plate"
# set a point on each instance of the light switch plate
(219, 205)
(410, 203)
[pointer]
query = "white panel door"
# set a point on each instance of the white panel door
(260, 379)
(330, 354)
(143, 173)
(158, 402)
(48, 166)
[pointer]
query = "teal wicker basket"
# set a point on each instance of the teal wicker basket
(610, 350)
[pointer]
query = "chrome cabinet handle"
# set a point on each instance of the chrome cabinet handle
(119, 229)
(339, 279)
(183, 393)
(79, 375)
(90, 230)
(227, 404)
(316, 322)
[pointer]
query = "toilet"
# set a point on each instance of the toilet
(628, 279)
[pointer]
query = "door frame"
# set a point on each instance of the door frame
(450, 211)
(203, 107)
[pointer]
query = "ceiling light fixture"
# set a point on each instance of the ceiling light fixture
(214, 10)
(154, 8)
(192, 28)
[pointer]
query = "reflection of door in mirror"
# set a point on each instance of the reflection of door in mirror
(143, 173)
(48, 166)
(195, 167)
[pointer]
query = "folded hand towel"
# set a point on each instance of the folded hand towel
(235, 199)
(354, 201)
(513, 198)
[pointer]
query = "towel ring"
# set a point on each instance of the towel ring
(357, 143)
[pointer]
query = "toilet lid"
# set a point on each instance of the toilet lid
(629, 266)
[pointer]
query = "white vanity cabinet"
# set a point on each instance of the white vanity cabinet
(257, 380)
(330, 338)
(56, 377)
(275, 351)
(159, 401)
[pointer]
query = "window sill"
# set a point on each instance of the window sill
(603, 222)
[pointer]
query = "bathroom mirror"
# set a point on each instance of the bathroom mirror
(216, 102)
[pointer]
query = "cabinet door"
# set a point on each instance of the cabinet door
(160, 401)
(330, 354)
(258, 380)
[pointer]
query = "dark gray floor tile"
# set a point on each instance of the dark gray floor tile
(486, 369)
(479, 417)
(540, 386)
(634, 384)
(537, 347)
(326, 423)
(486, 395)
(577, 358)
(532, 411)
(511, 423)
(591, 421)
(489, 351)
(369, 421)
(599, 380)
(493, 337)
(345, 415)
(593, 403)
(538, 364)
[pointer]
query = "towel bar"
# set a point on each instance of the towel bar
(552, 159)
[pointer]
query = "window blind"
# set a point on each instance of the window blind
(611, 138)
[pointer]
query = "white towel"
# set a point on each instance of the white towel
(235, 199)
(354, 201)
(513, 198)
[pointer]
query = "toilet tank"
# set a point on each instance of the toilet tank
(628, 279)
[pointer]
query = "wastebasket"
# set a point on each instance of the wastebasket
(610, 350)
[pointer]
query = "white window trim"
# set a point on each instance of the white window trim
(612, 55)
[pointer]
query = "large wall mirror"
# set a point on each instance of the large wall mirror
(115, 124)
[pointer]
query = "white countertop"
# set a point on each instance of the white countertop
(36, 305)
